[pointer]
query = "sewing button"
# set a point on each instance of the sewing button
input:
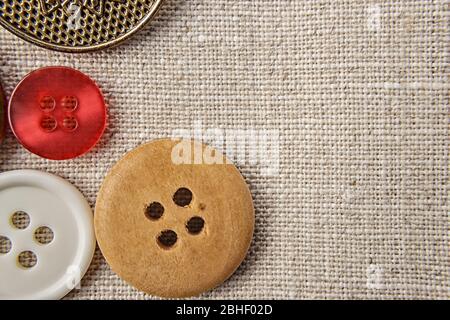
(2, 114)
(170, 229)
(57, 113)
(46, 236)
(76, 25)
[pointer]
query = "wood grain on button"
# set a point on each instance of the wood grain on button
(173, 230)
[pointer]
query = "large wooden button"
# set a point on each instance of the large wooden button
(170, 228)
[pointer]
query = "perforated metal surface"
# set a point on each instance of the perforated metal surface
(76, 25)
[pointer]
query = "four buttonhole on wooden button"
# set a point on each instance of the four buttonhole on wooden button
(168, 238)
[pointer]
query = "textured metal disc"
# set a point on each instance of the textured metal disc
(76, 25)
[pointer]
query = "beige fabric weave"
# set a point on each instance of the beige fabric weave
(359, 93)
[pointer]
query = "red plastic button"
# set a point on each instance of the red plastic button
(57, 113)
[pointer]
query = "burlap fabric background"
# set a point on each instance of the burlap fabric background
(358, 91)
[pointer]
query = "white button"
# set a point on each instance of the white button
(58, 266)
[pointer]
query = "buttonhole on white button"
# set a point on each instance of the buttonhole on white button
(20, 220)
(5, 245)
(27, 259)
(44, 235)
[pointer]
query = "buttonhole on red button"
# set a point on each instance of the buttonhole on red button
(70, 123)
(48, 123)
(69, 103)
(47, 104)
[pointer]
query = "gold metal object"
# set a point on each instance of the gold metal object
(76, 25)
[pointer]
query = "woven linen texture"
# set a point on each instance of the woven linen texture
(358, 93)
